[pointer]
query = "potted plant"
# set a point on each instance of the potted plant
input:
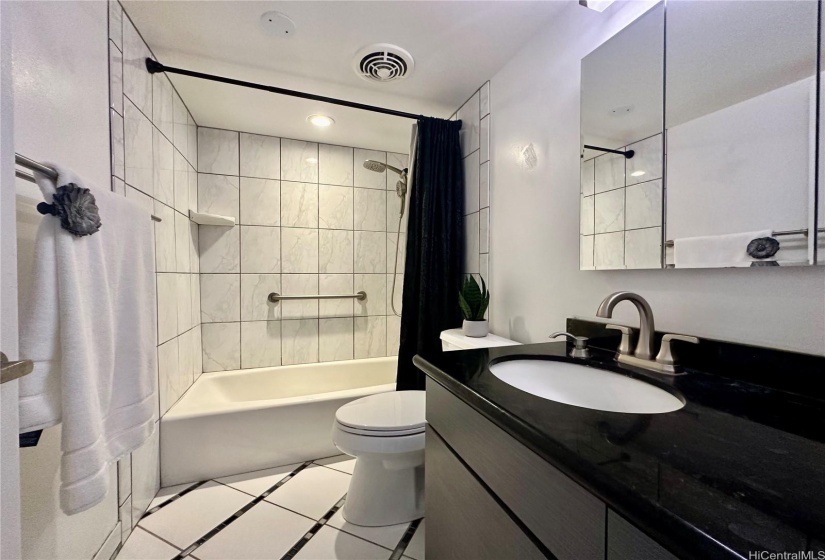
(473, 301)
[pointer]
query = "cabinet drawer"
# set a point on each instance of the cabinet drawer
(626, 542)
(463, 520)
(565, 517)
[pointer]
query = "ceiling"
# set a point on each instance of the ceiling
(457, 45)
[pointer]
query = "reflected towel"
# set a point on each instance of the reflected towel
(715, 251)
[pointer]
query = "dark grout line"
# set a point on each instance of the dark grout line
(154, 535)
(172, 499)
(314, 530)
(405, 540)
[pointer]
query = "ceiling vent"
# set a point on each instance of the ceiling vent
(383, 63)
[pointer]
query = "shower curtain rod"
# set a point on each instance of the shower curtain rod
(153, 66)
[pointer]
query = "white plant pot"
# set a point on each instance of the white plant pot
(475, 329)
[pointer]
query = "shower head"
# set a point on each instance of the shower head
(380, 167)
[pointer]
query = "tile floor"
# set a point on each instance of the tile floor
(287, 512)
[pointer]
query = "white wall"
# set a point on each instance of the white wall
(534, 231)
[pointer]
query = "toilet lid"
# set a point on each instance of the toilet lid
(385, 412)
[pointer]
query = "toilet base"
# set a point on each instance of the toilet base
(386, 491)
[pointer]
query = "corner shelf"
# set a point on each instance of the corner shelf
(211, 219)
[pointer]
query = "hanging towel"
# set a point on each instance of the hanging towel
(715, 251)
(88, 323)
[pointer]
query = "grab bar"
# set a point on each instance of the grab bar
(275, 297)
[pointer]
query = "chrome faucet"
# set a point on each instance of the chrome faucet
(642, 357)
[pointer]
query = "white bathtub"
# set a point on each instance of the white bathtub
(239, 421)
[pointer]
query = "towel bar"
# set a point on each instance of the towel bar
(275, 297)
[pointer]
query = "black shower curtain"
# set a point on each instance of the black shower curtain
(435, 246)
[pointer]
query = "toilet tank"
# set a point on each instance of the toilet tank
(453, 339)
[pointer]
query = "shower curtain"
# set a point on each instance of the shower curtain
(435, 246)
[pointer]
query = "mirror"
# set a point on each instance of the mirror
(622, 109)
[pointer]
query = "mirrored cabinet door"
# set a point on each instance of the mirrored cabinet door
(621, 170)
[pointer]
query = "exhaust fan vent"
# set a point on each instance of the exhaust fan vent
(383, 63)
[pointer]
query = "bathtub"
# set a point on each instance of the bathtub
(239, 421)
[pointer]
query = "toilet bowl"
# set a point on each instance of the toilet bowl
(385, 434)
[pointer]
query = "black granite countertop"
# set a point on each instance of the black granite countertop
(740, 468)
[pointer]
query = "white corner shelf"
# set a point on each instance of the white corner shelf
(211, 219)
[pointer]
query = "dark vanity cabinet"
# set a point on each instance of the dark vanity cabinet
(489, 497)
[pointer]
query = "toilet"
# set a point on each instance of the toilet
(385, 434)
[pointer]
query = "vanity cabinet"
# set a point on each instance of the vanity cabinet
(485, 490)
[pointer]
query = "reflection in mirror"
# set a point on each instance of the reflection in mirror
(622, 110)
(741, 130)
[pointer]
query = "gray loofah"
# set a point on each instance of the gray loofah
(77, 209)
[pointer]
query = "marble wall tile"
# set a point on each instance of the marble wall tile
(399, 161)
(260, 202)
(370, 252)
(197, 353)
(144, 201)
(119, 187)
(165, 246)
(370, 337)
(484, 267)
(484, 99)
(220, 298)
(370, 210)
(335, 284)
(186, 360)
(162, 105)
(195, 291)
(137, 81)
(183, 242)
(396, 297)
(400, 263)
(471, 183)
(124, 478)
(609, 172)
(261, 250)
(644, 205)
(163, 169)
(260, 344)
(255, 288)
(299, 251)
(167, 306)
(192, 141)
(471, 233)
(609, 211)
(184, 300)
(337, 337)
(180, 132)
(299, 204)
(299, 341)
(221, 346)
(586, 252)
(587, 219)
(376, 287)
(335, 253)
(299, 161)
(299, 285)
(335, 165)
(646, 163)
(393, 335)
(469, 117)
(181, 183)
(138, 149)
(335, 207)
(608, 251)
(588, 177)
(260, 156)
(115, 78)
(642, 248)
(218, 249)
(484, 139)
(116, 23)
(484, 230)
(145, 474)
(118, 145)
(364, 178)
(218, 194)
(393, 212)
(484, 185)
(193, 190)
(218, 151)
(169, 389)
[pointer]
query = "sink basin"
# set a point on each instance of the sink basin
(585, 386)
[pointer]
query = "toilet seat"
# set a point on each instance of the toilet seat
(393, 414)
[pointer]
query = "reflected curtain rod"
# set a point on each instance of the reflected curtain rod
(153, 66)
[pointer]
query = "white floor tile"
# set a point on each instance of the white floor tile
(416, 547)
(142, 546)
(312, 492)
(332, 544)
(264, 532)
(387, 537)
(165, 493)
(343, 463)
(187, 519)
(258, 482)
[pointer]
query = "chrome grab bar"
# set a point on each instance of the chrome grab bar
(275, 297)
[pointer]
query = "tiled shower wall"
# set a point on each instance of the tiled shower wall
(475, 149)
(154, 157)
(310, 220)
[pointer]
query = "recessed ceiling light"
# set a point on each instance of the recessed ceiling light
(322, 121)
(637, 173)
(598, 5)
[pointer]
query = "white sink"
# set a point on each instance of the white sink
(585, 386)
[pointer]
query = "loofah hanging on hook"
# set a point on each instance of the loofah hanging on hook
(77, 209)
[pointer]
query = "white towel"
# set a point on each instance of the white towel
(715, 251)
(88, 323)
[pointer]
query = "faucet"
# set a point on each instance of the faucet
(642, 356)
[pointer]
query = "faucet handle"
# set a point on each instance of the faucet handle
(666, 355)
(626, 345)
(580, 349)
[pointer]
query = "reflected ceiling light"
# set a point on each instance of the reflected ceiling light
(637, 173)
(321, 121)
(598, 5)
(311, 160)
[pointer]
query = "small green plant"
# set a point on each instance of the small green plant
(473, 299)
